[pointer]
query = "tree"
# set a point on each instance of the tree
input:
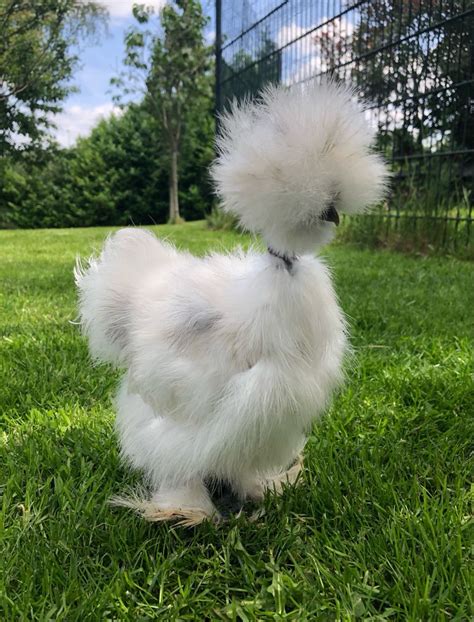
(425, 76)
(171, 66)
(115, 176)
(413, 62)
(246, 74)
(38, 43)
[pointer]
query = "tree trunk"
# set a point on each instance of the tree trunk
(174, 202)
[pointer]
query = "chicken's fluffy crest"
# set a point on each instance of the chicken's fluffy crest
(288, 155)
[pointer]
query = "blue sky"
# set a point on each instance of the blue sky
(99, 63)
(102, 61)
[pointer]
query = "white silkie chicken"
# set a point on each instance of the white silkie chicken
(230, 358)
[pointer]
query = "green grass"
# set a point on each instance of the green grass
(378, 530)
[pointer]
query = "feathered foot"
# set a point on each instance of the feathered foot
(184, 517)
(186, 506)
(279, 481)
(254, 489)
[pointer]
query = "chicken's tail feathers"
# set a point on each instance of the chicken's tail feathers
(107, 287)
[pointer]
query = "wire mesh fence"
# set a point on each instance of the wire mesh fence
(413, 63)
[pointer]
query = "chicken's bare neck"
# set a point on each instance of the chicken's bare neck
(287, 260)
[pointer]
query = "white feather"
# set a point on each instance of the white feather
(283, 158)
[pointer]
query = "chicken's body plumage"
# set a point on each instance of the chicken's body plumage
(229, 358)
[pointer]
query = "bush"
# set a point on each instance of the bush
(218, 220)
(427, 217)
(115, 176)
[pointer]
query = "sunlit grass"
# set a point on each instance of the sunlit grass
(379, 528)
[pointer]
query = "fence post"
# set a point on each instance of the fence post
(218, 59)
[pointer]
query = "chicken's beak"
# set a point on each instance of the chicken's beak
(330, 215)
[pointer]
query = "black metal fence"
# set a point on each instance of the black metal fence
(413, 62)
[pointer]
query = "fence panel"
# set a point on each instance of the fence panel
(413, 62)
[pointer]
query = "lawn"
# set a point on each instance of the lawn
(378, 529)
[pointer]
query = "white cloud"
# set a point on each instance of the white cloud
(289, 33)
(123, 8)
(77, 120)
(210, 36)
(307, 56)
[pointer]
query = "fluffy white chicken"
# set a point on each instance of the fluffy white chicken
(230, 358)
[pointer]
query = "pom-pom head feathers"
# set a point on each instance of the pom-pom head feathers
(290, 162)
